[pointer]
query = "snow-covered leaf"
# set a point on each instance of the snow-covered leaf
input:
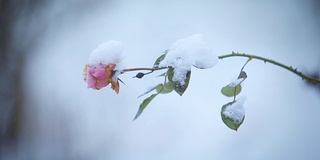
(180, 89)
(230, 91)
(159, 59)
(236, 82)
(144, 104)
(232, 124)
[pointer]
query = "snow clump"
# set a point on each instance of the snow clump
(236, 82)
(236, 111)
(109, 52)
(187, 52)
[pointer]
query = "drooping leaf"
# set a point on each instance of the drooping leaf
(159, 59)
(166, 88)
(144, 104)
(180, 89)
(231, 91)
(228, 121)
(243, 75)
(149, 90)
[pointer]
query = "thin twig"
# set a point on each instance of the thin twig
(141, 69)
(289, 68)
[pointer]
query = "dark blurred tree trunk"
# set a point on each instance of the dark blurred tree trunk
(12, 55)
(23, 23)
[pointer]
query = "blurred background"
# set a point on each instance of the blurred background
(47, 112)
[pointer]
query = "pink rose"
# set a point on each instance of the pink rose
(99, 76)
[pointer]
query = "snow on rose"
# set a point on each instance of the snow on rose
(104, 66)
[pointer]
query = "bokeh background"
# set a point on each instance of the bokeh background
(47, 112)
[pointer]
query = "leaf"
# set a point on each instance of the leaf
(144, 104)
(170, 73)
(228, 121)
(166, 88)
(149, 90)
(243, 75)
(231, 91)
(159, 59)
(162, 75)
(180, 89)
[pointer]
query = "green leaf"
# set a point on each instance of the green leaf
(243, 75)
(144, 104)
(159, 59)
(231, 91)
(166, 88)
(180, 89)
(150, 90)
(170, 74)
(228, 121)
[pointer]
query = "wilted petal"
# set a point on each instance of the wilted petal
(115, 86)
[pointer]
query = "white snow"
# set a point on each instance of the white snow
(235, 82)
(109, 52)
(236, 111)
(187, 52)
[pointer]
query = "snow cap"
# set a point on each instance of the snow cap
(187, 52)
(236, 111)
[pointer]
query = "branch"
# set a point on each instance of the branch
(141, 69)
(289, 68)
(233, 54)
